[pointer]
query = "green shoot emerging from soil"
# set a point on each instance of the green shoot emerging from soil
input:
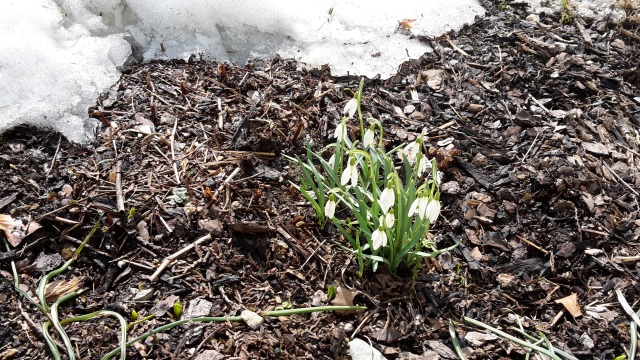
(566, 16)
(383, 202)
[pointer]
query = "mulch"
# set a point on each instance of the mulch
(533, 123)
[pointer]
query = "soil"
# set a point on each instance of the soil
(534, 125)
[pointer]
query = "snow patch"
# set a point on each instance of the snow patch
(57, 56)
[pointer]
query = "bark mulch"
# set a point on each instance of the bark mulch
(533, 123)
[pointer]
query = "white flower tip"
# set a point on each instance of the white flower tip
(350, 108)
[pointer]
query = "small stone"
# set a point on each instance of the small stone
(476, 338)
(587, 342)
(252, 319)
(595, 148)
(197, 308)
(209, 355)
(361, 350)
(143, 295)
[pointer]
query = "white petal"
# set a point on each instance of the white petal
(424, 165)
(433, 211)
(330, 209)
(414, 206)
(390, 220)
(350, 108)
(354, 175)
(368, 138)
(332, 160)
(387, 198)
(341, 131)
(346, 175)
(422, 207)
(378, 239)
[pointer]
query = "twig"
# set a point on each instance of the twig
(119, 196)
(532, 244)
(620, 179)
(530, 147)
(626, 259)
(454, 46)
(173, 151)
(55, 155)
(225, 182)
(629, 34)
(539, 104)
(171, 258)
(220, 118)
(89, 247)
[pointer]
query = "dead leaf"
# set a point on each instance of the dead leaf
(15, 230)
(344, 297)
(161, 307)
(571, 304)
(476, 254)
(387, 334)
(60, 288)
(407, 23)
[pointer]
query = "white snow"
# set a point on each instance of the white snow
(57, 56)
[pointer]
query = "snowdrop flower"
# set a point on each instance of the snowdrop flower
(424, 202)
(330, 207)
(350, 108)
(410, 151)
(415, 206)
(341, 132)
(439, 176)
(350, 173)
(368, 137)
(390, 219)
(423, 166)
(332, 160)
(432, 210)
(387, 197)
(379, 238)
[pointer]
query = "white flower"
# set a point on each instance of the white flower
(350, 108)
(368, 137)
(433, 211)
(387, 198)
(379, 238)
(424, 202)
(332, 160)
(414, 208)
(423, 166)
(330, 207)
(341, 131)
(439, 176)
(350, 173)
(390, 219)
(410, 151)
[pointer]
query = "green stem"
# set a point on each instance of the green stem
(123, 326)
(299, 311)
(47, 338)
(56, 324)
(359, 99)
(43, 282)
(454, 341)
(514, 339)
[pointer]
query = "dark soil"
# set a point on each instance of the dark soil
(535, 126)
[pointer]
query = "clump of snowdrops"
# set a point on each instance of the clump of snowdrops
(383, 202)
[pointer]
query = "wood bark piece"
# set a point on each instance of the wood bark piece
(476, 173)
